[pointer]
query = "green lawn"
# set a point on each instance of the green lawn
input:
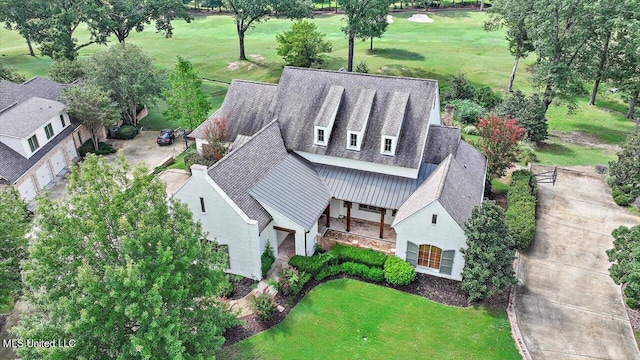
(334, 319)
(454, 42)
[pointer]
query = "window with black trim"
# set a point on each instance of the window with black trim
(48, 130)
(62, 120)
(353, 140)
(387, 145)
(370, 208)
(202, 208)
(321, 135)
(33, 143)
(434, 218)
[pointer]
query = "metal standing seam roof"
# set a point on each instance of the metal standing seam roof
(371, 188)
(240, 171)
(294, 189)
(21, 120)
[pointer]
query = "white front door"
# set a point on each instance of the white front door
(58, 162)
(43, 175)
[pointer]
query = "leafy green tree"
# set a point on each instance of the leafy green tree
(14, 224)
(458, 88)
(512, 15)
(121, 270)
(120, 17)
(92, 106)
(8, 73)
(375, 27)
(529, 113)
(488, 267)
(247, 13)
(624, 174)
(625, 259)
(303, 45)
(360, 15)
(17, 15)
(625, 56)
(129, 75)
(66, 71)
(186, 100)
(499, 141)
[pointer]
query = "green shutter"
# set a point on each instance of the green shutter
(412, 253)
(447, 261)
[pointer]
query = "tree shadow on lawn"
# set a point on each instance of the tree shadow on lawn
(407, 71)
(397, 54)
(605, 134)
(556, 149)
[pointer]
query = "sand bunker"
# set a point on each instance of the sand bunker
(389, 19)
(420, 18)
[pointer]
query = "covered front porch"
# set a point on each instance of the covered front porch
(356, 232)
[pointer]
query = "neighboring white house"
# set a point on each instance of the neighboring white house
(343, 145)
(37, 140)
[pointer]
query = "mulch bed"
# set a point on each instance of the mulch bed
(242, 288)
(440, 290)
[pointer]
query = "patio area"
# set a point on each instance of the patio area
(363, 234)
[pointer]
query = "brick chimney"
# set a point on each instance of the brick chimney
(448, 114)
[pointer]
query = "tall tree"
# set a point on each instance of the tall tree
(121, 271)
(359, 15)
(247, 13)
(186, 100)
(303, 45)
(14, 224)
(129, 75)
(17, 15)
(560, 29)
(91, 106)
(498, 141)
(625, 56)
(375, 28)
(120, 17)
(66, 71)
(488, 258)
(512, 15)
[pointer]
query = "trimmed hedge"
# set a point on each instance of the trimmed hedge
(87, 147)
(398, 271)
(313, 264)
(521, 208)
(363, 256)
(126, 132)
(363, 271)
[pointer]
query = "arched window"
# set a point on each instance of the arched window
(429, 256)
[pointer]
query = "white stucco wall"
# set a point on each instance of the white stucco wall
(445, 234)
(282, 221)
(223, 222)
(434, 116)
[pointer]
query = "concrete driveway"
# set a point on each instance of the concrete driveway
(567, 305)
(143, 149)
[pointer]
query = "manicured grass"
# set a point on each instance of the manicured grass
(179, 160)
(498, 187)
(558, 153)
(349, 319)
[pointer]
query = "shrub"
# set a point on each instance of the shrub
(521, 208)
(263, 305)
(487, 97)
(267, 259)
(362, 67)
(622, 199)
(328, 271)
(458, 87)
(526, 153)
(470, 130)
(398, 271)
(468, 112)
(529, 113)
(195, 158)
(126, 132)
(624, 174)
(363, 256)
(313, 264)
(224, 287)
(87, 147)
(363, 271)
(291, 281)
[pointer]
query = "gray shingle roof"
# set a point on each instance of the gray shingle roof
(301, 91)
(360, 115)
(458, 183)
(395, 113)
(8, 92)
(247, 108)
(240, 171)
(294, 188)
(441, 141)
(14, 165)
(371, 188)
(26, 117)
(330, 105)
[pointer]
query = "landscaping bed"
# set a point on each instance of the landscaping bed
(242, 287)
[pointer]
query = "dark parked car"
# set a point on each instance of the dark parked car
(166, 137)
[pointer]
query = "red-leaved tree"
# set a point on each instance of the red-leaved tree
(215, 135)
(499, 140)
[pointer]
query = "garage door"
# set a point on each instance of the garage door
(44, 175)
(57, 160)
(27, 189)
(71, 150)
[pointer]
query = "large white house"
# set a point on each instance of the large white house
(37, 139)
(339, 145)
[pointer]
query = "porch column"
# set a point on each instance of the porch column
(328, 212)
(382, 212)
(348, 215)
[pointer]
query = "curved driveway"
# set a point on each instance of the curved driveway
(567, 305)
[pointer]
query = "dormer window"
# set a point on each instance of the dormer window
(48, 130)
(353, 140)
(320, 137)
(388, 146)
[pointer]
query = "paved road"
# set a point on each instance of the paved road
(567, 305)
